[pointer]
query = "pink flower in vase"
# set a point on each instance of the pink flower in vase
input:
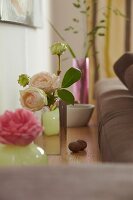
(19, 128)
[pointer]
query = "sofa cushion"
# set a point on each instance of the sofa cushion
(122, 64)
(115, 120)
(128, 78)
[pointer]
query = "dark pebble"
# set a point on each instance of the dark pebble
(83, 144)
(74, 147)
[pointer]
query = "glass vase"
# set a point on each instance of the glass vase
(13, 155)
(81, 87)
(55, 128)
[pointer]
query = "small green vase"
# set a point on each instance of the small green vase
(12, 155)
(55, 129)
(51, 122)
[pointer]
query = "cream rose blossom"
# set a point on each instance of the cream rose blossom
(45, 81)
(33, 98)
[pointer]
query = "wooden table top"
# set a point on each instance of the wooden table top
(91, 153)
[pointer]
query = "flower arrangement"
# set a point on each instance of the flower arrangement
(43, 89)
(19, 128)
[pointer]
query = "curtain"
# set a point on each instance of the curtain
(113, 40)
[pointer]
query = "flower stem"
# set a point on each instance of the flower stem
(71, 51)
(62, 38)
(87, 50)
(59, 66)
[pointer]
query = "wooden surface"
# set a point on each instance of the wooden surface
(90, 155)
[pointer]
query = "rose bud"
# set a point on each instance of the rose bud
(58, 48)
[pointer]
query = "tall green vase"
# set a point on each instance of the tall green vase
(12, 155)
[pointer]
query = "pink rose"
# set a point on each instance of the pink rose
(19, 128)
(33, 98)
(45, 81)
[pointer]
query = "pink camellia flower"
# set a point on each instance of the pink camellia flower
(33, 98)
(19, 128)
(45, 81)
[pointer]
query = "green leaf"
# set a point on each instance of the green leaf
(77, 5)
(75, 32)
(66, 96)
(101, 34)
(83, 11)
(70, 77)
(118, 12)
(95, 30)
(88, 8)
(102, 21)
(69, 28)
(76, 20)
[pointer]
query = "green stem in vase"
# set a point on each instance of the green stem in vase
(88, 49)
(62, 38)
(59, 66)
(71, 51)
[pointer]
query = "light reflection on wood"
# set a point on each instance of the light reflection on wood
(51, 144)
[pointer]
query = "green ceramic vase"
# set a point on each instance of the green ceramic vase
(51, 122)
(12, 155)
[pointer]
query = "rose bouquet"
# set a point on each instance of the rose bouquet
(43, 89)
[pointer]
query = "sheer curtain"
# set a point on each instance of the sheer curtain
(22, 50)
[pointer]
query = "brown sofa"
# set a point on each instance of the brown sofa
(114, 99)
